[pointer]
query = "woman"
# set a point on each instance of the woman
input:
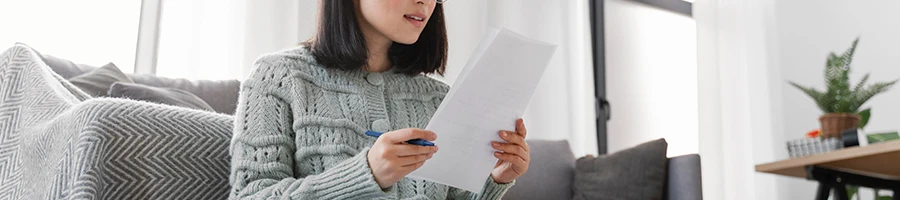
(302, 114)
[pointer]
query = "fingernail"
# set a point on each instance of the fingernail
(495, 145)
(435, 148)
(504, 134)
(497, 154)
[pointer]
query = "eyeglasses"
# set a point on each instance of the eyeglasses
(441, 1)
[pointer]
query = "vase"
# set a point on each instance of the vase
(835, 123)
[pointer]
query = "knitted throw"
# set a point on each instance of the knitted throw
(57, 143)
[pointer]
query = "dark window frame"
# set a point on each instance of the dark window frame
(678, 6)
(598, 45)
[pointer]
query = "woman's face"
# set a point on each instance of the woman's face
(401, 21)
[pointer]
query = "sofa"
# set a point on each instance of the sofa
(551, 176)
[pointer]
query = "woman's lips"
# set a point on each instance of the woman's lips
(416, 20)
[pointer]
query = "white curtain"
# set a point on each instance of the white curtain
(220, 39)
(562, 107)
(737, 124)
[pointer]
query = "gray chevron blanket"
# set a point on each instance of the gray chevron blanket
(58, 143)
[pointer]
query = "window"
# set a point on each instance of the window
(651, 57)
(93, 32)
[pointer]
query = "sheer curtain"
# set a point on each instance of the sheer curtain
(738, 115)
(201, 39)
(220, 39)
(563, 106)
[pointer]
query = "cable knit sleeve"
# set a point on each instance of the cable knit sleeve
(491, 190)
(263, 147)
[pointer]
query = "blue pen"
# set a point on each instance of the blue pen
(419, 142)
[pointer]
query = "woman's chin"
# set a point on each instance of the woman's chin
(407, 41)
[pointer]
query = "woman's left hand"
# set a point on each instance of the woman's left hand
(514, 154)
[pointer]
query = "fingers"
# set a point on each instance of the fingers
(414, 166)
(520, 127)
(514, 138)
(412, 160)
(410, 150)
(513, 149)
(391, 159)
(517, 161)
(403, 135)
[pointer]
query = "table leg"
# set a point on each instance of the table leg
(840, 192)
(824, 190)
(832, 179)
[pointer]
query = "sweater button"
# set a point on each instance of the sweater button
(381, 125)
(375, 79)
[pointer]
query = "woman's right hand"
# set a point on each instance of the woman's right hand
(391, 158)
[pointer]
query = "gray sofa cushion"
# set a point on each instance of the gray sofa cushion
(636, 173)
(65, 68)
(221, 95)
(96, 83)
(168, 96)
(550, 172)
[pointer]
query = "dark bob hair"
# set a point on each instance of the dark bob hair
(339, 42)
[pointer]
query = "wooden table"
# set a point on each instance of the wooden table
(873, 166)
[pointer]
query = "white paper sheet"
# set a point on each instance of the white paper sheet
(490, 94)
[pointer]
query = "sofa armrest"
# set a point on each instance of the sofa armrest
(684, 178)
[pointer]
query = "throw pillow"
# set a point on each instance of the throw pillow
(65, 68)
(550, 173)
(168, 96)
(221, 95)
(96, 83)
(636, 173)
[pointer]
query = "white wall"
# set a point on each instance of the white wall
(651, 77)
(747, 51)
(807, 30)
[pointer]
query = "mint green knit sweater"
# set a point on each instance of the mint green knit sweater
(300, 131)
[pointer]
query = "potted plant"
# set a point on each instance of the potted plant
(839, 101)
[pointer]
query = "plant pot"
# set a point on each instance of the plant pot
(835, 123)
